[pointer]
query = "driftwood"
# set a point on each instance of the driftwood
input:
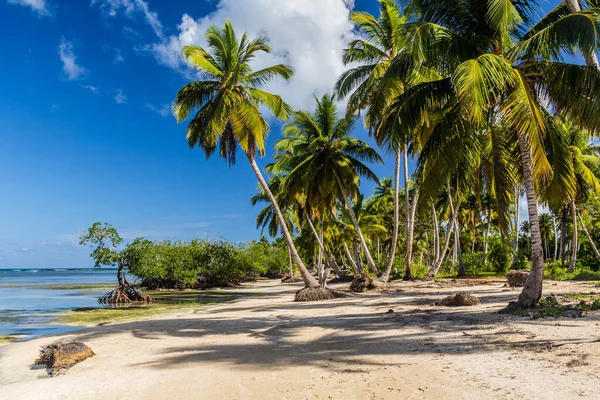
(57, 358)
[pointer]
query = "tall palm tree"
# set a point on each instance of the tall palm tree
(267, 217)
(499, 65)
(322, 159)
(546, 230)
(372, 88)
(228, 100)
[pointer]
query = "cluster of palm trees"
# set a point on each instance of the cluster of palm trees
(481, 93)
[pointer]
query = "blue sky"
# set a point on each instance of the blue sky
(85, 124)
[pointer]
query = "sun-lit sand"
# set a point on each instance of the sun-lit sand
(268, 347)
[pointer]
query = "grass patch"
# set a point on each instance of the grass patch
(6, 339)
(165, 302)
(102, 316)
(549, 307)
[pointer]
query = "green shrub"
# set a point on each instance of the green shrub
(474, 263)
(500, 255)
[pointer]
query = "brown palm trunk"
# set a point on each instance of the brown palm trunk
(574, 241)
(361, 238)
(309, 280)
(532, 291)
(589, 237)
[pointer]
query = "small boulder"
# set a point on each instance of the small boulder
(57, 358)
(517, 277)
(460, 299)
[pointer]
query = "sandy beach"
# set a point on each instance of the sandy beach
(269, 347)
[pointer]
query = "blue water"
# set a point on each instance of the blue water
(28, 307)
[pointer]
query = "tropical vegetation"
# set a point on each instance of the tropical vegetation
(494, 107)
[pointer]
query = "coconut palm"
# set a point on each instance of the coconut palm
(324, 162)
(372, 88)
(546, 230)
(228, 100)
(500, 66)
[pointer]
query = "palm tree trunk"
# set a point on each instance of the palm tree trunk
(408, 257)
(461, 265)
(363, 243)
(290, 263)
(359, 266)
(328, 259)
(574, 244)
(309, 280)
(385, 277)
(574, 6)
(563, 235)
(349, 255)
(589, 237)
(555, 238)
(517, 216)
(440, 260)
(436, 235)
(410, 235)
(487, 233)
(532, 292)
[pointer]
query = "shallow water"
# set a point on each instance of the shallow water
(30, 300)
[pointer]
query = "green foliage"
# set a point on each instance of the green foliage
(104, 239)
(474, 262)
(200, 263)
(549, 307)
(500, 255)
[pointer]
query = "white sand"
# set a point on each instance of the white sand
(269, 347)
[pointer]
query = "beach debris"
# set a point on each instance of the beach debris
(316, 294)
(124, 294)
(460, 299)
(58, 357)
(360, 283)
(291, 279)
(517, 277)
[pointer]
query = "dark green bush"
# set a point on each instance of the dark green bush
(500, 255)
(201, 263)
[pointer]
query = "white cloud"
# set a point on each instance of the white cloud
(163, 110)
(130, 7)
(118, 58)
(91, 88)
(39, 6)
(120, 97)
(69, 60)
(310, 35)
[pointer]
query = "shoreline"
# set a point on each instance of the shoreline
(271, 347)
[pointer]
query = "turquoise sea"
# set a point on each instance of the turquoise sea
(31, 299)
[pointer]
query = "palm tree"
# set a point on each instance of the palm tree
(576, 163)
(323, 160)
(497, 65)
(228, 101)
(267, 217)
(373, 88)
(546, 231)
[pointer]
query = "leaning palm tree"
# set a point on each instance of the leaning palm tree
(372, 89)
(322, 159)
(498, 65)
(228, 100)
